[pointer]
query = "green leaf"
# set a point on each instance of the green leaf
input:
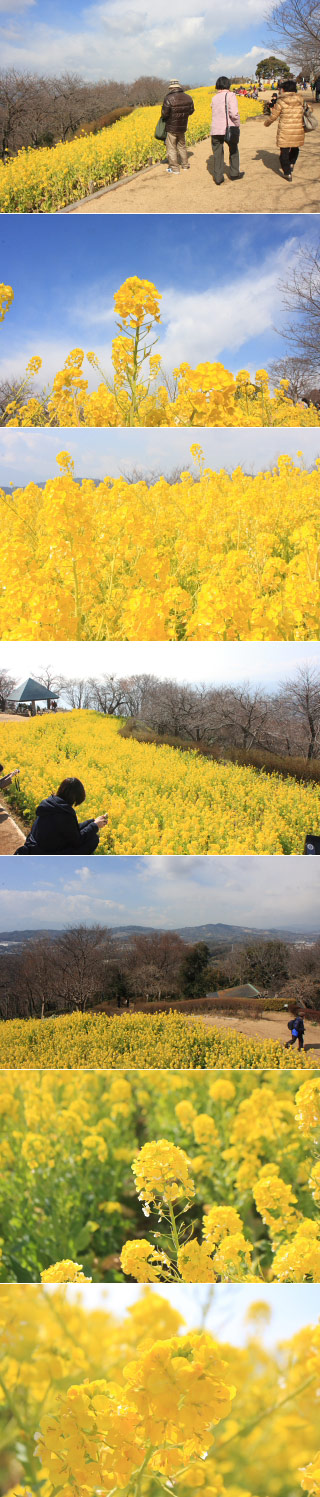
(84, 1237)
(22, 1274)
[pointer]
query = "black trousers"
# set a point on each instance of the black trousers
(288, 158)
(218, 142)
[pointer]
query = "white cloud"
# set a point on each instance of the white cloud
(53, 352)
(14, 7)
(173, 892)
(69, 906)
(124, 38)
(201, 324)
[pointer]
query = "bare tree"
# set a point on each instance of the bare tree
(302, 700)
(245, 713)
(39, 976)
(80, 953)
(295, 24)
(153, 964)
(7, 684)
(298, 372)
(107, 695)
(77, 692)
(49, 679)
(301, 293)
(37, 111)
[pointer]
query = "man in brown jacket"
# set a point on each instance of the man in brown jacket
(176, 108)
(289, 110)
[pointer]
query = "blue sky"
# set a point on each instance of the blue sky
(292, 1306)
(219, 280)
(31, 455)
(158, 891)
(125, 38)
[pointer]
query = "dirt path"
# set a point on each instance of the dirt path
(262, 190)
(271, 1026)
(10, 835)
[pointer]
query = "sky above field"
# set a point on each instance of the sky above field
(291, 1306)
(260, 663)
(258, 892)
(221, 282)
(125, 38)
(31, 455)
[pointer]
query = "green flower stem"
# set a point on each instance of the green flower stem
(173, 1227)
(266, 1413)
(141, 1471)
(30, 1470)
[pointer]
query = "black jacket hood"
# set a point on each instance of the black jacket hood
(55, 803)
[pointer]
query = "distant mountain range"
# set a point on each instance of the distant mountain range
(41, 483)
(214, 935)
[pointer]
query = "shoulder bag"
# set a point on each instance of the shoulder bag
(161, 130)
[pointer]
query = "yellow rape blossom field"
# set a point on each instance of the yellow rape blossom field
(44, 180)
(138, 394)
(94, 1402)
(231, 556)
(200, 1179)
(159, 799)
(166, 1041)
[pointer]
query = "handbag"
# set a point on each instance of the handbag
(161, 130)
(232, 132)
(310, 121)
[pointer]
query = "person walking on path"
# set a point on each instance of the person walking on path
(176, 108)
(225, 127)
(297, 1032)
(289, 110)
(56, 828)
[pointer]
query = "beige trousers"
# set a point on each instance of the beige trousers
(176, 150)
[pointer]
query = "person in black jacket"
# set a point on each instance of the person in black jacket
(297, 1032)
(56, 828)
(176, 108)
(312, 846)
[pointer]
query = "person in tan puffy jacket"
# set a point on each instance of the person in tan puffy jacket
(289, 110)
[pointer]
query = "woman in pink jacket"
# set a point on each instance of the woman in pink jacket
(225, 117)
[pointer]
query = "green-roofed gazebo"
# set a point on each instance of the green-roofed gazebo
(32, 691)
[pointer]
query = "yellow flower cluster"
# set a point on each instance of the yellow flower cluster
(311, 1476)
(143, 1262)
(228, 557)
(6, 299)
(158, 800)
(65, 1272)
(162, 1172)
(239, 1204)
(102, 1404)
(43, 180)
(102, 1435)
(209, 395)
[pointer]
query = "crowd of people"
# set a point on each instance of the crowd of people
(289, 107)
